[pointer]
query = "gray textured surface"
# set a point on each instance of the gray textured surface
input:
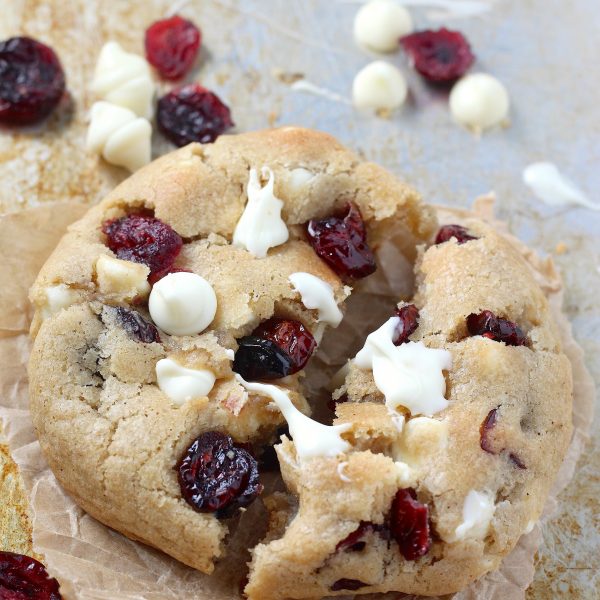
(546, 51)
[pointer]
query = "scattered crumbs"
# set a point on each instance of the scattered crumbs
(285, 76)
(272, 118)
(384, 113)
(561, 248)
(222, 78)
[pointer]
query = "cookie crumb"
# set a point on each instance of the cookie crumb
(285, 76)
(561, 248)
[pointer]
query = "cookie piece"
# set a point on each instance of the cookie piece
(120, 392)
(427, 500)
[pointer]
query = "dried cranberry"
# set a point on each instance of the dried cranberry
(257, 358)
(341, 241)
(172, 46)
(517, 461)
(32, 81)
(409, 523)
(447, 232)
(409, 321)
(136, 326)
(353, 542)
(347, 584)
(291, 337)
(143, 239)
(487, 324)
(192, 114)
(216, 475)
(484, 429)
(23, 578)
(440, 56)
(154, 277)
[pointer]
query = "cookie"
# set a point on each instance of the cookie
(193, 277)
(436, 486)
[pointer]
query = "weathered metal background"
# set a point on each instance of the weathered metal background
(546, 52)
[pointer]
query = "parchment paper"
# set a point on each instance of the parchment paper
(93, 562)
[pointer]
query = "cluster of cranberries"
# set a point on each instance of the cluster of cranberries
(24, 578)
(189, 113)
(488, 325)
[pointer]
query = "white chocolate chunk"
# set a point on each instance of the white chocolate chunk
(311, 438)
(182, 303)
(379, 85)
(58, 296)
(422, 437)
(409, 375)
(299, 178)
(478, 511)
(479, 101)
(124, 79)
(181, 384)
(261, 227)
(116, 276)
(119, 136)
(317, 294)
(380, 24)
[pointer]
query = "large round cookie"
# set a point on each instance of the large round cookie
(112, 436)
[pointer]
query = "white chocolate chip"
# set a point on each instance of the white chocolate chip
(478, 510)
(182, 303)
(181, 384)
(58, 296)
(116, 276)
(379, 85)
(479, 101)
(380, 24)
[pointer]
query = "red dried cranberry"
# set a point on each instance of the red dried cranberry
(341, 241)
(216, 475)
(486, 426)
(257, 358)
(409, 524)
(517, 461)
(192, 114)
(487, 324)
(154, 277)
(32, 81)
(143, 239)
(440, 56)
(447, 232)
(172, 46)
(291, 337)
(24, 578)
(409, 321)
(347, 584)
(136, 326)
(352, 542)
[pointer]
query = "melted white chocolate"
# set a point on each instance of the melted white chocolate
(317, 294)
(261, 227)
(181, 384)
(409, 375)
(124, 79)
(311, 438)
(119, 136)
(478, 511)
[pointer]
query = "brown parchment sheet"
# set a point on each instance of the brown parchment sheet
(93, 562)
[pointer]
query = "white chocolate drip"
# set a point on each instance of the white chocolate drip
(553, 188)
(379, 85)
(478, 511)
(317, 294)
(182, 303)
(181, 384)
(119, 136)
(409, 375)
(379, 25)
(310, 437)
(261, 227)
(124, 79)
